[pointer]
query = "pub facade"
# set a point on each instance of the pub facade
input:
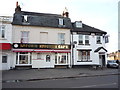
(40, 40)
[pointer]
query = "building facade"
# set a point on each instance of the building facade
(5, 42)
(88, 45)
(40, 40)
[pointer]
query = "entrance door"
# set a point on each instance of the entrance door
(61, 59)
(4, 62)
(102, 59)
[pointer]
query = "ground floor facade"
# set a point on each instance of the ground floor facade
(90, 56)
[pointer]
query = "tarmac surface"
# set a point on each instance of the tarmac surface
(45, 74)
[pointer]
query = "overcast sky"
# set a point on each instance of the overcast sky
(101, 14)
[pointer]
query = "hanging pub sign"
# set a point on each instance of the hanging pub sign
(39, 46)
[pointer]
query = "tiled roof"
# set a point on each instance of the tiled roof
(41, 19)
(86, 28)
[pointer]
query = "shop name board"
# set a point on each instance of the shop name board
(39, 46)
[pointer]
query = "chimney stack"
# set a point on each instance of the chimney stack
(65, 12)
(18, 8)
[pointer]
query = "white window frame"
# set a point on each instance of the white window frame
(98, 38)
(61, 21)
(80, 39)
(24, 39)
(2, 31)
(87, 38)
(61, 38)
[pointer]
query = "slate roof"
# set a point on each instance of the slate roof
(99, 48)
(41, 19)
(86, 28)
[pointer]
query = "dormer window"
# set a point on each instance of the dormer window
(25, 18)
(61, 21)
(78, 24)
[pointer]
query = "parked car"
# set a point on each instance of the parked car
(112, 64)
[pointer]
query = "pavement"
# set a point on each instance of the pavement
(56, 73)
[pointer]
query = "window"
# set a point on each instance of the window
(23, 58)
(98, 40)
(61, 38)
(78, 24)
(47, 58)
(61, 21)
(86, 39)
(38, 55)
(43, 37)
(4, 59)
(2, 31)
(84, 56)
(25, 18)
(24, 37)
(80, 39)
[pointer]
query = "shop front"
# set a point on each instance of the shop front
(5, 55)
(41, 55)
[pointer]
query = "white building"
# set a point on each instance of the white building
(5, 42)
(40, 40)
(88, 45)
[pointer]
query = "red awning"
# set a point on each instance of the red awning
(41, 50)
(5, 46)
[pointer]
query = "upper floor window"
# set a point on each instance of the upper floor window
(24, 18)
(61, 38)
(98, 40)
(86, 39)
(2, 30)
(80, 39)
(78, 24)
(24, 36)
(61, 21)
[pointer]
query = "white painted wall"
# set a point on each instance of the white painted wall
(93, 56)
(41, 63)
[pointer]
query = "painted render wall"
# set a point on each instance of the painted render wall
(34, 35)
(93, 56)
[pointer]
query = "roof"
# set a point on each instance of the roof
(86, 28)
(99, 48)
(41, 19)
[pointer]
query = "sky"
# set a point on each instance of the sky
(101, 14)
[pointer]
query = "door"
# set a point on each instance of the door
(5, 62)
(61, 59)
(102, 59)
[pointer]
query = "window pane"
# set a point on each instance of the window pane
(47, 58)
(4, 59)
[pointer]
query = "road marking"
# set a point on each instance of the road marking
(96, 85)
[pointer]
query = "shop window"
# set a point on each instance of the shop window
(4, 59)
(47, 58)
(84, 56)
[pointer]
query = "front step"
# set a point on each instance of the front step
(61, 66)
(23, 67)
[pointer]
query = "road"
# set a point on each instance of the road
(109, 81)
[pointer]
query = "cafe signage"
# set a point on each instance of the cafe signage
(39, 46)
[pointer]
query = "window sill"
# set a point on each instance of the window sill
(85, 61)
(87, 44)
(80, 44)
(98, 43)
